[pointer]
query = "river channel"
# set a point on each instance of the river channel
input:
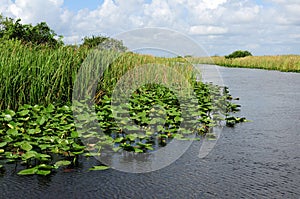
(257, 159)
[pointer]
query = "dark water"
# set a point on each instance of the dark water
(260, 159)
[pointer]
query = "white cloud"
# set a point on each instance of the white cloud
(207, 30)
(225, 24)
(159, 13)
(213, 4)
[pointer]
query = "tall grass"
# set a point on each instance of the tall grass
(105, 69)
(286, 63)
(43, 75)
(36, 75)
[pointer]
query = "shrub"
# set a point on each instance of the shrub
(238, 54)
(39, 34)
(104, 43)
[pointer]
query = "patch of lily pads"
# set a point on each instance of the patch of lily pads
(43, 139)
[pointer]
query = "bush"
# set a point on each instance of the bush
(104, 43)
(238, 54)
(39, 34)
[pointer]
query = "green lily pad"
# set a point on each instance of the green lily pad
(26, 146)
(3, 144)
(7, 118)
(99, 168)
(43, 172)
(23, 113)
(62, 163)
(137, 150)
(74, 134)
(43, 157)
(41, 120)
(13, 132)
(11, 125)
(45, 167)
(30, 171)
(10, 112)
(29, 154)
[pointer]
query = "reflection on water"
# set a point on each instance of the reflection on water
(252, 160)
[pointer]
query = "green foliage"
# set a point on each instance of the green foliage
(36, 134)
(238, 54)
(102, 42)
(99, 168)
(93, 41)
(285, 63)
(39, 34)
(46, 138)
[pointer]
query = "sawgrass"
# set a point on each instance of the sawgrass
(284, 63)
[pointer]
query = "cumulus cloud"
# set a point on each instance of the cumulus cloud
(207, 30)
(220, 25)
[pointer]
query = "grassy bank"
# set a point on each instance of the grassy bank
(43, 75)
(285, 63)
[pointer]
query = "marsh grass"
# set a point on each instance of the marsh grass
(36, 75)
(43, 75)
(285, 63)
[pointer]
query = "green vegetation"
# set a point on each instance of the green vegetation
(238, 54)
(32, 74)
(39, 34)
(104, 42)
(45, 138)
(284, 63)
(37, 124)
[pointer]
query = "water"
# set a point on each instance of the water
(260, 159)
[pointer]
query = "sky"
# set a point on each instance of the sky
(263, 27)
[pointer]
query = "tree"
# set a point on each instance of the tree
(104, 43)
(40, 34)
(93, 41)
(238, 54)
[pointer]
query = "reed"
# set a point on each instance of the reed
(43, 75)
(36, 75)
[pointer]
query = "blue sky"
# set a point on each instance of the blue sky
(76, 5)
(264, 27)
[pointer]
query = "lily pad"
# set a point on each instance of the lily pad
(23, 113)
(62, 163)
(26, 146)
(12, 132)
(3, 144)
(30, 171)
(7, 118)
(99, 168)
(43, 172)
(29, 154)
